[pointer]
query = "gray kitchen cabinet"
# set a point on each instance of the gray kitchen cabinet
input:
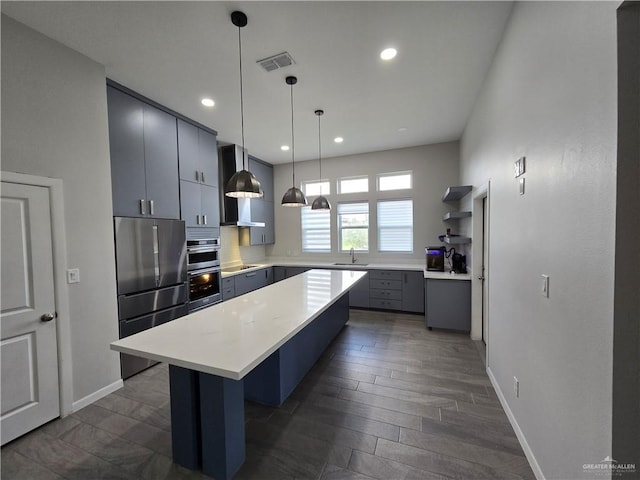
(144, 158)
(359, 294)
(280, 273)
(198, 154)
(448, 304)
(262, 209)
(198, 159)
(413, 292)
(250, 281)
(228, 288)
(199, 205)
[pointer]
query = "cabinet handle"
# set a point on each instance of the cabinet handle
(204, 219)
(202, 176)
(250, 274)
(406, 278)
(151, 210)
(143, 206)
(197, 219)
(197, 176)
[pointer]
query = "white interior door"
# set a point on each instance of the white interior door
(28, 345)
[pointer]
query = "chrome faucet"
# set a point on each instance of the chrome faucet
(353, 255)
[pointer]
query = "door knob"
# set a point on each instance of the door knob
(47, 317)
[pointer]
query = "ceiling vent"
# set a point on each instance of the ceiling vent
(275, 62)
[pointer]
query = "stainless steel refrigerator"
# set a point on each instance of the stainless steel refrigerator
(151, 268)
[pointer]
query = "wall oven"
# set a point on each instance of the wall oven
(204, 273)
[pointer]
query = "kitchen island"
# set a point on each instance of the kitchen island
(256, 346)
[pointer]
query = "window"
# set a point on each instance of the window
(353, 226)
(395, 226)
(353, 184)
(316, 230)
(316, 188)
(394, 181)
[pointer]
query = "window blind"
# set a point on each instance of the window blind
(395, 226)
(316, 230)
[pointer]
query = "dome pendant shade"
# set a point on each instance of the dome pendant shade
(294, 198)
(243, 184)
(321, 203)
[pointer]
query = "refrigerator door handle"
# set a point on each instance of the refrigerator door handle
(156, 255)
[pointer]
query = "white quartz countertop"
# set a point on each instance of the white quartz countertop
(319, 264)
(230, 338)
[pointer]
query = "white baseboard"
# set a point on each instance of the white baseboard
(537, 471)
(95, 396)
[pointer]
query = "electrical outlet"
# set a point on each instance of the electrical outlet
(73, 275)
(544, 290)
(516, 387)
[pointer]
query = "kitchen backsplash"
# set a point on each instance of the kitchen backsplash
(231, 251)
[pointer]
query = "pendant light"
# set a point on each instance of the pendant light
(242, 184)
(321, 202)
(294, 196)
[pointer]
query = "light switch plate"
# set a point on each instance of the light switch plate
(545, 286)
(73, 275)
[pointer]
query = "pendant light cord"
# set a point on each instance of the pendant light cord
(293, 147)
(320, 152)
(241, 98)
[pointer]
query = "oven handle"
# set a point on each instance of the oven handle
(203, 249)
(195, 273)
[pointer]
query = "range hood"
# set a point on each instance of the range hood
(234, 211)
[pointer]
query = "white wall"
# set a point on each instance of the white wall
(232, 253)
(551, 96)
(435, 167)
(54, 124)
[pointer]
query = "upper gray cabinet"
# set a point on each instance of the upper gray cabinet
(144, 158)
(198, 158)
(198, 154)
(262, 208)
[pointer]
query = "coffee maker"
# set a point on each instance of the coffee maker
(459, 263)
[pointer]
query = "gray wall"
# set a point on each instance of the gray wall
(551, 96)
(54, 124)
(435, 167)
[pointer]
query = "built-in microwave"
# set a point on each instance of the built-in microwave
(203, 253)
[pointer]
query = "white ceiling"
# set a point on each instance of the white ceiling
(178, 52)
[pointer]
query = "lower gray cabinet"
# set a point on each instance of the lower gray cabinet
(228, 288)
(413, 292)
(448, 304)
(250, 281)
(359, 294)
(280, 273)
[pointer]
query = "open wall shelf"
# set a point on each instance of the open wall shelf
(455, 215)
(456, 193)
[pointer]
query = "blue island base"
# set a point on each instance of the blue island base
(207, 411)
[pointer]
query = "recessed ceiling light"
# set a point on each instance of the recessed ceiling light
(402, 129)
(207, 102)
(284, 148)
(338, 139)
(388, 53)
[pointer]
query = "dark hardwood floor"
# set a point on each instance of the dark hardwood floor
(388, 400)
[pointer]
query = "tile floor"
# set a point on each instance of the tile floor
(388, 400)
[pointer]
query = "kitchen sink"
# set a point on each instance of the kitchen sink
(352, 264)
